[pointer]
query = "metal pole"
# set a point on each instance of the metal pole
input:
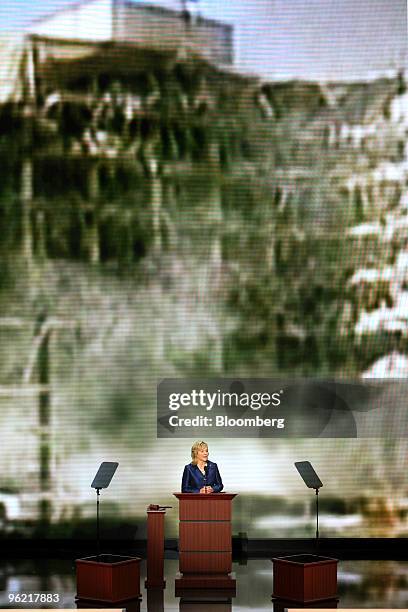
(98, 544)
(317, 520)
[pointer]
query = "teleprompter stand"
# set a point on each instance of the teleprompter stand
(102, 480)
(312, 481)
(306, 578)
(104, 577)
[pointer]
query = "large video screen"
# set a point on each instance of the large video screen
(198, 190)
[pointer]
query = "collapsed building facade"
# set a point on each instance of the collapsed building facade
(161, 212)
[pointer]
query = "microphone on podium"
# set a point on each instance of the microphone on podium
(205, 474)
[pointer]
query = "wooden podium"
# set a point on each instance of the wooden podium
(155, 549)
(205, 544)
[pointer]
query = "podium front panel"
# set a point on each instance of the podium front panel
(201, 535)
(205, 509)
(201, 562)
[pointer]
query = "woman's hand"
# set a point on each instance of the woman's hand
(203, 490)
(209, 490)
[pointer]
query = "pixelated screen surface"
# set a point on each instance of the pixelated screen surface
(198, 189)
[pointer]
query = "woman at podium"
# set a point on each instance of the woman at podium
(201, 475)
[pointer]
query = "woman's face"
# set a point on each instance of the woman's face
(202, 454)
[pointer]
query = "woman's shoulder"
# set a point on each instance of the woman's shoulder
(210, 463)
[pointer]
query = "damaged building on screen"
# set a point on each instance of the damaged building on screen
(164, 25)
(163, 215)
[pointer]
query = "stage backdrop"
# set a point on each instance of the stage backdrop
(164, 213)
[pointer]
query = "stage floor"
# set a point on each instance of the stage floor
(364, 584)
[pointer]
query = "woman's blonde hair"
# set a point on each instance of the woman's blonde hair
(194, 449)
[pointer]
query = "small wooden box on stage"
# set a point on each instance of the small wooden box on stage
(108, 578)
(205, 541)
(305, 578)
